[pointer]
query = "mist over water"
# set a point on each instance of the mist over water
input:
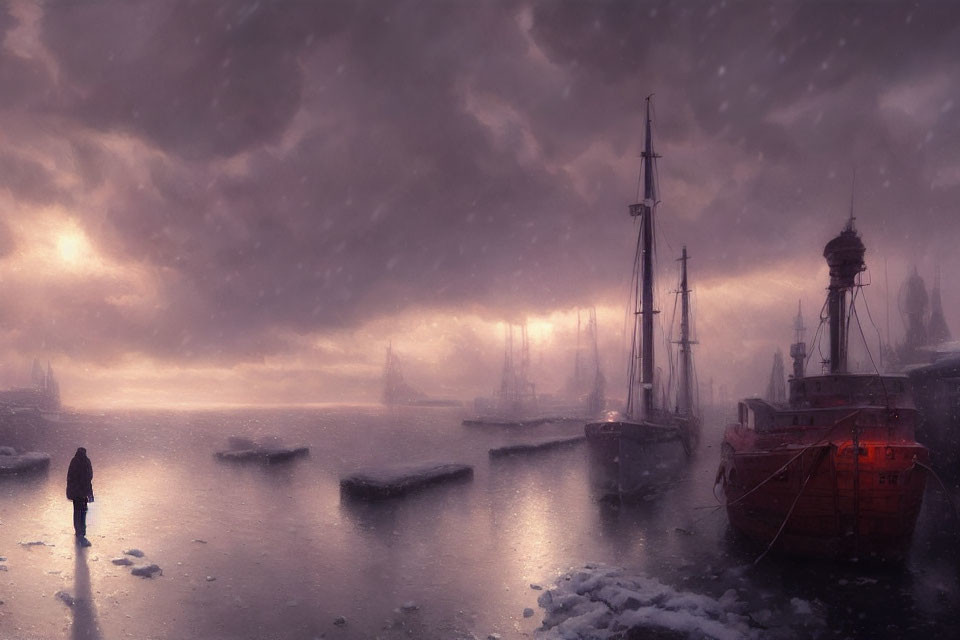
(289, 554)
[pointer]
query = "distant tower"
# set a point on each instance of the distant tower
(798, 350)
(38, 376)
(937, 330)
(51, 391)
(915, 307)
(777, 388)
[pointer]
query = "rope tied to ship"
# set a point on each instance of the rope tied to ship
(787, 464)
(783, 525)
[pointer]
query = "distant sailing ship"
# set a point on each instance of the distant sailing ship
(647, 445)
(583, 396)
(396, 391)
(836, 470)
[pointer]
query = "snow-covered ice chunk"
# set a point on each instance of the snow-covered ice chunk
(136, 553)
(146, 570)
(801, 607)
(604, 603)
(122, 562)
(394, 481)
(267, 451)
(535, 446)
(13, 463)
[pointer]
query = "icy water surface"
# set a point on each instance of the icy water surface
(250, 552)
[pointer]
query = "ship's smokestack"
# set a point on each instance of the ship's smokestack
(844, 255)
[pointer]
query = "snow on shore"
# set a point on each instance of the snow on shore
(604, 603)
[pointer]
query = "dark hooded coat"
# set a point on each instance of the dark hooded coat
(80, 476)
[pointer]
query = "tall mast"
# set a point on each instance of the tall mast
(844, 255)
(645, 210)
(686, 357)
(798, 350)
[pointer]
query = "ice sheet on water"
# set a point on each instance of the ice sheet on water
(535, 446)
(391, 481)
(603, 603)
(12, 462)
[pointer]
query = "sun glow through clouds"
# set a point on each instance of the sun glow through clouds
(73, 248)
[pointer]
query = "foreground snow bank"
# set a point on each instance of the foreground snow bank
(394, 481)
(603, 603)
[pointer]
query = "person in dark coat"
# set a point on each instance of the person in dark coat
(80, 491)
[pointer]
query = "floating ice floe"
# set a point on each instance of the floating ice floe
(393, 481)
(146, 570)
(535, 446)
(12, 463)
(266, 451)
(603, 603)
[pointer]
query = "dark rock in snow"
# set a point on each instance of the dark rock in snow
(146, 570)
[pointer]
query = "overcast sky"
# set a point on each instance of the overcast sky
(245, 202)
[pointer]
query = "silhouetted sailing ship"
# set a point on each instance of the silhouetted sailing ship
(584, 394)
(647, 445)
(396, 391)
(834, 471)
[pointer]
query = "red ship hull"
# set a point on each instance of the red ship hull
(826, 520)
(850, 485)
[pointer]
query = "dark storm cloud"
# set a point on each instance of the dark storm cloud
(311, 165)
(199, 78)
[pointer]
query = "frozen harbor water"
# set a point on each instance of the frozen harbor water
(275, 552)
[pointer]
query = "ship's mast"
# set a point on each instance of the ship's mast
(798, 350)
(686, 356)
(844, 255)
(644, 210)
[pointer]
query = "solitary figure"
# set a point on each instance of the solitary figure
(80, 491)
